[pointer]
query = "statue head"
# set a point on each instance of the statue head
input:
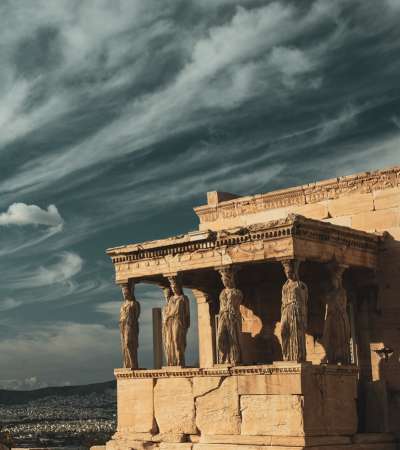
(167, 291)
(128, 291)
(291, 268)
(227, 277)
(176, 287)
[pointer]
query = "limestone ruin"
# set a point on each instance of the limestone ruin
(301, 358)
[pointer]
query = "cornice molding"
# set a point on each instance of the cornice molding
(295, 226)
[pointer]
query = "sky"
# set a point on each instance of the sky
(117, 116)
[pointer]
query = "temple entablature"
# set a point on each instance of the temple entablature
(294, 237)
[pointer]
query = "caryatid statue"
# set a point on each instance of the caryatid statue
(336, 335)
(176, 321)
(129, 326)
(293, 314)
(229, 320)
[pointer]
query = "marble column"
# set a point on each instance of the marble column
(337, 326)
(129, 326)
(293, 313)
(206, 327)
(176, 322)
(229, 319)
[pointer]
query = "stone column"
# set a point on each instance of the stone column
(229, 319)
(337, 326)
(176, 322)
(206, 327)
(129, 325)
(293, 313)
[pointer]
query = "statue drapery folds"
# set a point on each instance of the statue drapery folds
(129, 326)
(293, 314)
(337, 326)
(176, 322)
(229, 320)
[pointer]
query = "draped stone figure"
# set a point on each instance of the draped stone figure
(129, 326)
(176, 321)
(337, 326)
(229, 320)
(293, 314)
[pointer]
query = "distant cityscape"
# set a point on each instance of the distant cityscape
(71, 417)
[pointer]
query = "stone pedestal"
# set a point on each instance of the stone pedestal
(283, 406)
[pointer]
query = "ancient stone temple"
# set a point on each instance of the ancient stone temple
(298, 315)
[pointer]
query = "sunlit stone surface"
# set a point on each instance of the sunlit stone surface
(317, 362)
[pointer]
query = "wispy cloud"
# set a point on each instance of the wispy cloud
(61, 272)
(9, 303)
(109, 308)
(396, 121)
(123, 114)
(330, 128)
(223, 71)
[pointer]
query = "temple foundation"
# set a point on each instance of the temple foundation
(282, 406)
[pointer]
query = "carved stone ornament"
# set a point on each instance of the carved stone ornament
(293, 314)
(129, 326)
(176, 322)
(229, 321)
(337, 326)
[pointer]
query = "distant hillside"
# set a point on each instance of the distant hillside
(19, 397)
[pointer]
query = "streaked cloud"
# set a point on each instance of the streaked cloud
(9, 303)
(61, 272)
(121, 115)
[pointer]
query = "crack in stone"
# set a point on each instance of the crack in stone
(222, 379)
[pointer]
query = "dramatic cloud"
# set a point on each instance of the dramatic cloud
(123, 114)
(22, 214)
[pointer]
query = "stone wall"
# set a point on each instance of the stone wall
(242, 405)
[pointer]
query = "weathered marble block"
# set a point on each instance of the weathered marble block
(283, 399)
(135, 405)
(174, 406)
(272, 415)
(217, 410)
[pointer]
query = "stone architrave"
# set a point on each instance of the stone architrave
(229, 321)
(129, 326)
(293, 314)
(337, 326)
(176, 321)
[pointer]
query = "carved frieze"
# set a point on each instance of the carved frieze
(311, 193)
